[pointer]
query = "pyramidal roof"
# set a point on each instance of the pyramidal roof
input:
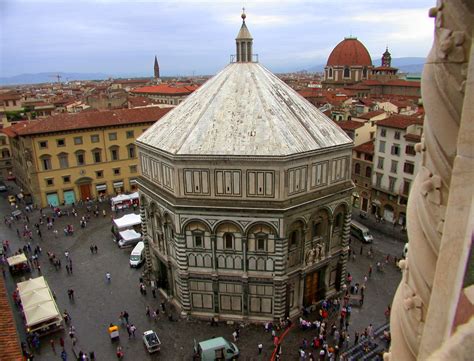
(244, 32)
(244, 110)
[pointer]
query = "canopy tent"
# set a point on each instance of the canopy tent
(128, 220)
(41, 312)
(31, 285)
(17, 259)
(134, 196)
(35, 297)
(37, 301)
(129, 235)
(119, 199)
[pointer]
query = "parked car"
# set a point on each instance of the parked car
(151, 341)
(3, 187)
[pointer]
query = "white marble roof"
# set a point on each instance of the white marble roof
(244, 110)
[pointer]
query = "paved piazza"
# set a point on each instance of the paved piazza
(97, 303)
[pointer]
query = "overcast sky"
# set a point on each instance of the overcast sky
(122, 37)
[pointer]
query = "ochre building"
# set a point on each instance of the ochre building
(70, 157)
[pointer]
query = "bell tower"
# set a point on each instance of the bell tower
(386, 59)
(156, 69)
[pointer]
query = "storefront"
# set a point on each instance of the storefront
(101, 190)
(52, 199)
(118, 187)
(69, 197)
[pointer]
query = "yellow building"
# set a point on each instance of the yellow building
(70, 157)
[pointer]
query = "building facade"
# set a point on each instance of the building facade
(395, 165)
(362, 166)
(66, 158)
(172, 94)
(245, 219)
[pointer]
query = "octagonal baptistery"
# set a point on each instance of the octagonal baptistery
(245, 197)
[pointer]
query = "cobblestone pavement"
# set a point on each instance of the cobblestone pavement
(97, 303)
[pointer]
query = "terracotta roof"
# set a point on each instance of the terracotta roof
(349, 52)
(370, 115)
(139, 101)
(9, 96)
(10, 348)
(166, 89)
(413, 137)
(394, 82)
(350, 124)
(131, 81)
(385, 68)
(367, 147)
(399, 121)
(85, 120)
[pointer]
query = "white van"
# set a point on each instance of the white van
(138, 255)
(361, 232)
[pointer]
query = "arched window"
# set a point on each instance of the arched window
(63, 160)
(80, 157)
(338, 221)
(97, 155)
(228, 241)
(46, 162)
(330, 73)
(364, 73)
(357, 168)
(114, 152)
(131, 151)
(347, 72)
(293, 239)
(368, 172)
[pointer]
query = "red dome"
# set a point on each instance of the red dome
(349, 52)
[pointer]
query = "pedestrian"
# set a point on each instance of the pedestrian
(64, 355)
(260, 348)
(67, 269)
(129, 331)
(72, 332)
(119, 353)
(70, 266)
(125, 316)
(153, 292)
(163, 306)
(122, 318)
(365, 279)
(370, 270)
(108, 277)
(95, 249)
(91, 356)
(66, 254)
(53, 347)
(236, 337)
(61, 342)
(133, 328)
(91, 248)
(147, 311)
(70, 293)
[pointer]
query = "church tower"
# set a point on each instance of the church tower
(244, 42)
(156, 69)
(386, 59)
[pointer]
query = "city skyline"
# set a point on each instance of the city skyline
(195, 37)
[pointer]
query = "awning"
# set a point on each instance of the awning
(14, 260)
(118, 184)
(128, 220)
(130, 235)
(101, 187)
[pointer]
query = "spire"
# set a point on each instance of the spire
(156, 69)
(244, 42)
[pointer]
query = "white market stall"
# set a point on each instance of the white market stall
(130, 221)
(123, 201)
(41, 312)
(129, 237)
(18, 263)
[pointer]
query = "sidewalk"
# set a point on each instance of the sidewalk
(383, 227)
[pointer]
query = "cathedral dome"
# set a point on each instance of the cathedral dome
(244, 110)
(349, 52)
